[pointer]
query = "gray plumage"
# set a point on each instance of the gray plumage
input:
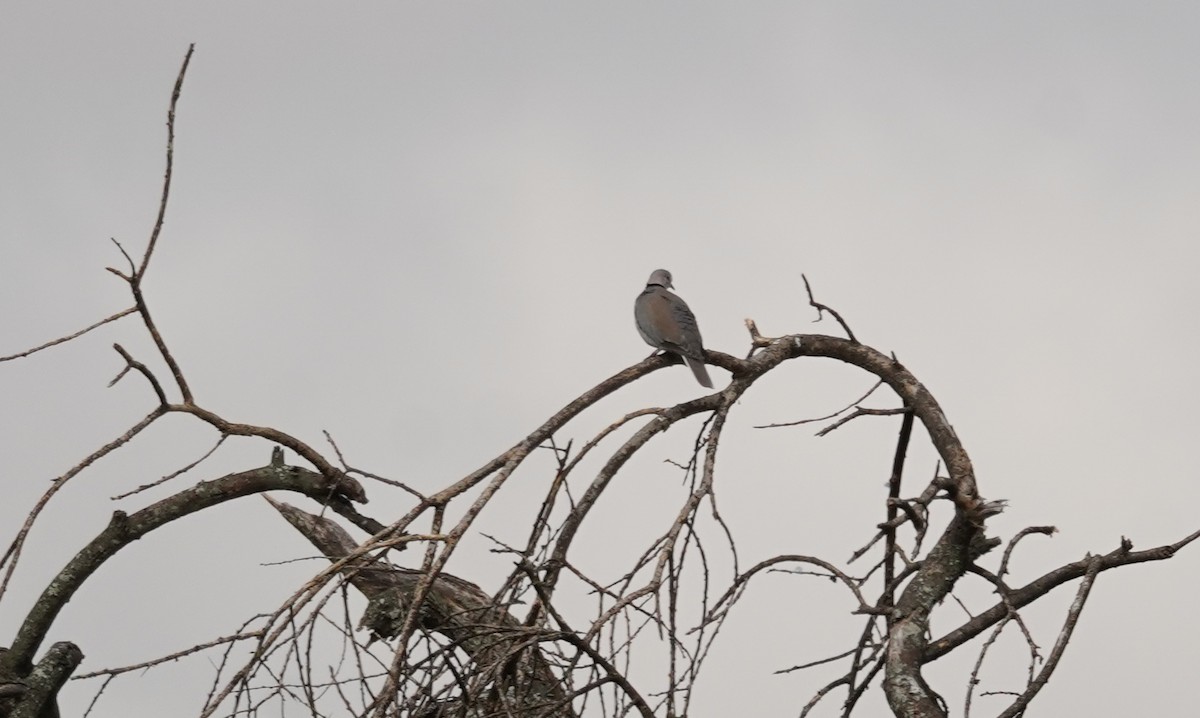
(665, 322)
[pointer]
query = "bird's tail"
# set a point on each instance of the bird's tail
(698, 369)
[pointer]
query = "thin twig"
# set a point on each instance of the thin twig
(812, 703)
(170, 657)
(822, 308)
(131, 363)
(351, 470)
(573, 638)
(889, 557)
(862, 687)
(820, 662)
(69, 337)
(859, 411)
(136, 280)
(166, 189)
(839, 412)
(1064, 637)
(128, 260)
(1012, 544)
(173, 474)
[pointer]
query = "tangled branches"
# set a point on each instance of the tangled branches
(368, 635)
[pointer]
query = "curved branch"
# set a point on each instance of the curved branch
(739, 583)
(571, 636)
(553, 424)
(13, 552)
(346, 486)
(1012, 544)
(505, 464)
(665, 419)
(900, 379)
(906, 689)
(124, 529)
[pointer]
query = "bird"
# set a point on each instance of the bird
(665, 322)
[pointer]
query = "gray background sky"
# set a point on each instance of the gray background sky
(422, 226)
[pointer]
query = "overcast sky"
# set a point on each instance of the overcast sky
(422, 226)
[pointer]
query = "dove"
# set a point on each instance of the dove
(665, 322)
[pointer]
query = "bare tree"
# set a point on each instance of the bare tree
(429, 643)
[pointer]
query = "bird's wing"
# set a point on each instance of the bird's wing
(685, 332)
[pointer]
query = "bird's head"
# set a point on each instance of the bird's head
(661, 277)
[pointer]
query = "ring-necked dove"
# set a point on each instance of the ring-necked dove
(666, 323)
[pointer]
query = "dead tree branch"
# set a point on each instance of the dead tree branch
(458, 609)
(440, 646)
(1023, 596)
(126, 528)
